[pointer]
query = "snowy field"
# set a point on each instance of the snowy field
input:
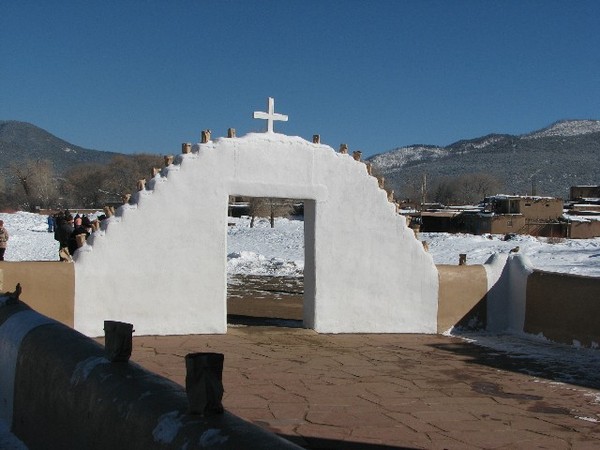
(280, 251)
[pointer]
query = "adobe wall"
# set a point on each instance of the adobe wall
(57, 390)
(47, 286)
(161, 262)
(462, 296)
(584, 230)
(541, 208)
(564, 308)
(506, 223)
(506, 297)
(503, 295)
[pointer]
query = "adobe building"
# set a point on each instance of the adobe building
(582, 215)
(501, 214)
(584, 192)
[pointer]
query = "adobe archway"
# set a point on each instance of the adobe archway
(160, 263)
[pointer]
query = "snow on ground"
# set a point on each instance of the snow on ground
(573, 256)
(263, 250)
(569, 363)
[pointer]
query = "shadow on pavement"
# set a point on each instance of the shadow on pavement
(559, 364)
(234, 319)
(317, 443)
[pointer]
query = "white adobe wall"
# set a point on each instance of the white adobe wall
(161, 264)
(507, 292)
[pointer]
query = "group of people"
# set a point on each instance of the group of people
(71, 232)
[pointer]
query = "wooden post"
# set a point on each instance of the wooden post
(462, 259)
(316, 139)
(205, 136)
(357, 155)
(186, 148)
(154, 171)
(369, 168)
(204, 383)
(381, 182)
(169, 160)
(126, 198)
(344, 149)
(141, 185)
(118, 342)
(231, 132)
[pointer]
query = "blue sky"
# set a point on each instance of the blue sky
(145, 76)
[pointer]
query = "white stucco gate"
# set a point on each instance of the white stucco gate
(160, 262)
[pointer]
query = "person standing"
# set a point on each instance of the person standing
(64, 235)
(3, 240)
(51, 223)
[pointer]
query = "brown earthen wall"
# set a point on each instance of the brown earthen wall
(504, 224)
(47, 286)
(563, 307)
(461, 295)
(541, 209)
(584, 230)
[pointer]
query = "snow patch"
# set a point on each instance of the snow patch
(588, 419)
(84, 368)
(212, 437)
(167, 428)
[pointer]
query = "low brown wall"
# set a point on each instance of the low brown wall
(48, 286)
(64, 393)
(563, 307)
(584, 230)
(461, 297)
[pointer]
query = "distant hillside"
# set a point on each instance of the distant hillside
(21, 141)
(564, 154)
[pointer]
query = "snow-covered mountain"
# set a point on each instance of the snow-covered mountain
(566, 128)
(556, 157)
(406, 155)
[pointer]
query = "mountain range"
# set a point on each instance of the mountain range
(553, 159)
(21, 141)
(548, 161)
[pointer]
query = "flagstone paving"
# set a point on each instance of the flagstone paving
(374, 391)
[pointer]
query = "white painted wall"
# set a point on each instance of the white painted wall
(161, 264)
(507, 292)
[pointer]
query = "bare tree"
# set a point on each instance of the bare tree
(465, 189)
(123, 172)
(83, 187)
(472, 188)
(444, 191)
(94, 185)
(37, 183)
(270, 207)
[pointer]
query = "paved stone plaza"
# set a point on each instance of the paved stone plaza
(385, 391)
(376, 391)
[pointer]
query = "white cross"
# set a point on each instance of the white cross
(270, 115)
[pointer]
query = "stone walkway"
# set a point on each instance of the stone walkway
(385, 391)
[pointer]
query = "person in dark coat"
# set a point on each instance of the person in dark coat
(78, 230)
(64, 236)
